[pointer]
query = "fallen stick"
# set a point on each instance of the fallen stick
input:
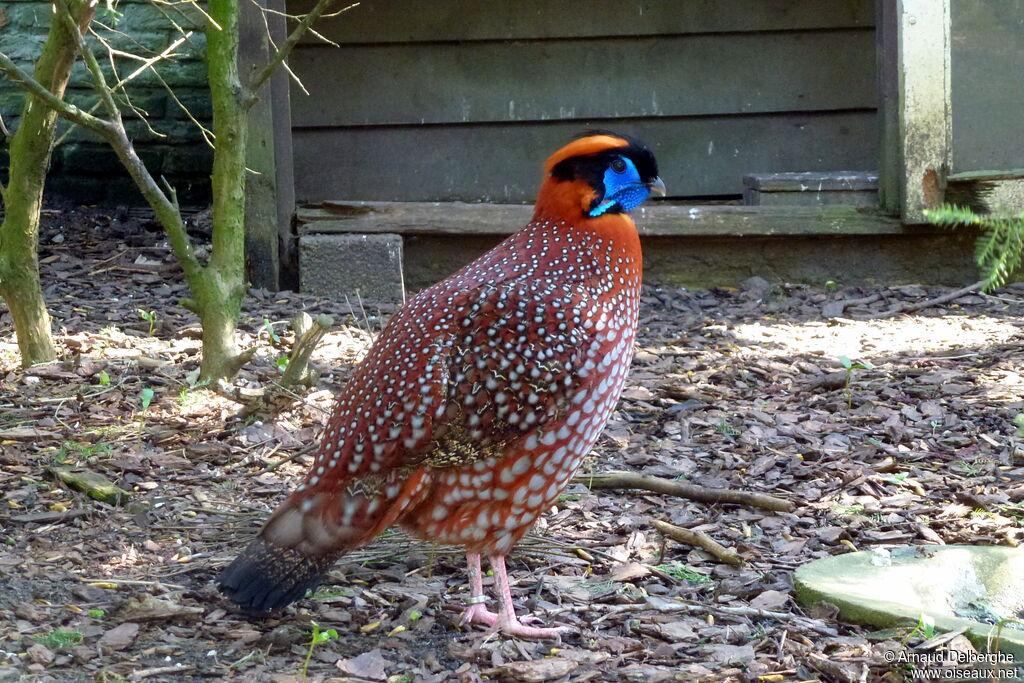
(834, 309)
(702, 541)
(910, 308)
(631, 480)
(92, 484)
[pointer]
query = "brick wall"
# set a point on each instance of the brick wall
(84, 169)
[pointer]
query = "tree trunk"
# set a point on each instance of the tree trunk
(30, 151)
(219, 306)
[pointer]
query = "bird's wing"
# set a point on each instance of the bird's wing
(518, 355)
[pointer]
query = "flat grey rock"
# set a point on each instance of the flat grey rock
(958, 586)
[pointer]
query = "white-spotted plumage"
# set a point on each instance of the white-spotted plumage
(482, 395)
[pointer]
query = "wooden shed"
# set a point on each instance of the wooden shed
(799, 139)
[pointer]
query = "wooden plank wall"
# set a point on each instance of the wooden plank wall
(988, 84)
(455, 100)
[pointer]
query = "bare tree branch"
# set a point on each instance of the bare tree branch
(286, 48)
(35, 88)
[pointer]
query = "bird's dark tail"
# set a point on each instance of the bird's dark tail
(307, 534)
(265, 577)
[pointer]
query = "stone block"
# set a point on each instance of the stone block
(76, 189)
(337, 266)
(194, 159)
(196, 101)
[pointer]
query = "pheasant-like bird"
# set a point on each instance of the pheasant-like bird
(481, 397)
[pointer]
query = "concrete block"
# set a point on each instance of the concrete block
(341, 265)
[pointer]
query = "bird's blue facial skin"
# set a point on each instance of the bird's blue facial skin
(622, 187)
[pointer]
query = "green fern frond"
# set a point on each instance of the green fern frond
(999, 250)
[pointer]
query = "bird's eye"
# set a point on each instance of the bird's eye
(618, 165)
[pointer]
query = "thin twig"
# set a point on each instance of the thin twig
(631, 480)
(286, 48)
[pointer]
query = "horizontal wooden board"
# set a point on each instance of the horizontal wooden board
(652, 219)
(460, 20)
(580, 79)
(501, 163)
(988, 99)
(812, 182)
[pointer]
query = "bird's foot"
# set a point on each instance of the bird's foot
(478, 613)
(512, 626)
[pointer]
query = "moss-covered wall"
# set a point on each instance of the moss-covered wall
(84, 169)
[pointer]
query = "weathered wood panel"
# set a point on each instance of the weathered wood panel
(379, 21)
(653, 219)
(691, 75)
(942, 258)
(501, 163)
(988, 84)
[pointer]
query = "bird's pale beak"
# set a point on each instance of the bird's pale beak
(657, 186)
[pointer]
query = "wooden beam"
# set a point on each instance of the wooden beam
(280, 104)
(887, 68)
(262, 262)
(455, 218)
(916, 109)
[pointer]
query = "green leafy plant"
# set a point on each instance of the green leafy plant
(847, 510)
(281, 363)
(103, 378)
(683, 572)
(60, 639)
(831, 286)
(317, 638)
(1018, 422)
(999, 249)
(850, 366)
(96, 613)
(82, 450)
(150, 317)
(726, 429)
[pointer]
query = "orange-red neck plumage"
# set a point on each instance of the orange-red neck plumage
(570, 201)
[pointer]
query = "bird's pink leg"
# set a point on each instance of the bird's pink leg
(477, 610)
(507, 621)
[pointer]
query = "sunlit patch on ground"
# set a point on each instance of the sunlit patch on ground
(915, 335)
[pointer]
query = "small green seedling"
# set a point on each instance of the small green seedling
(149, 317)
(317, 638)
(104, 378)
(831, 286)
(96, 613)
(145, 398)
(281, 363)
(850, 366)
(925, 627)
(268, 327)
